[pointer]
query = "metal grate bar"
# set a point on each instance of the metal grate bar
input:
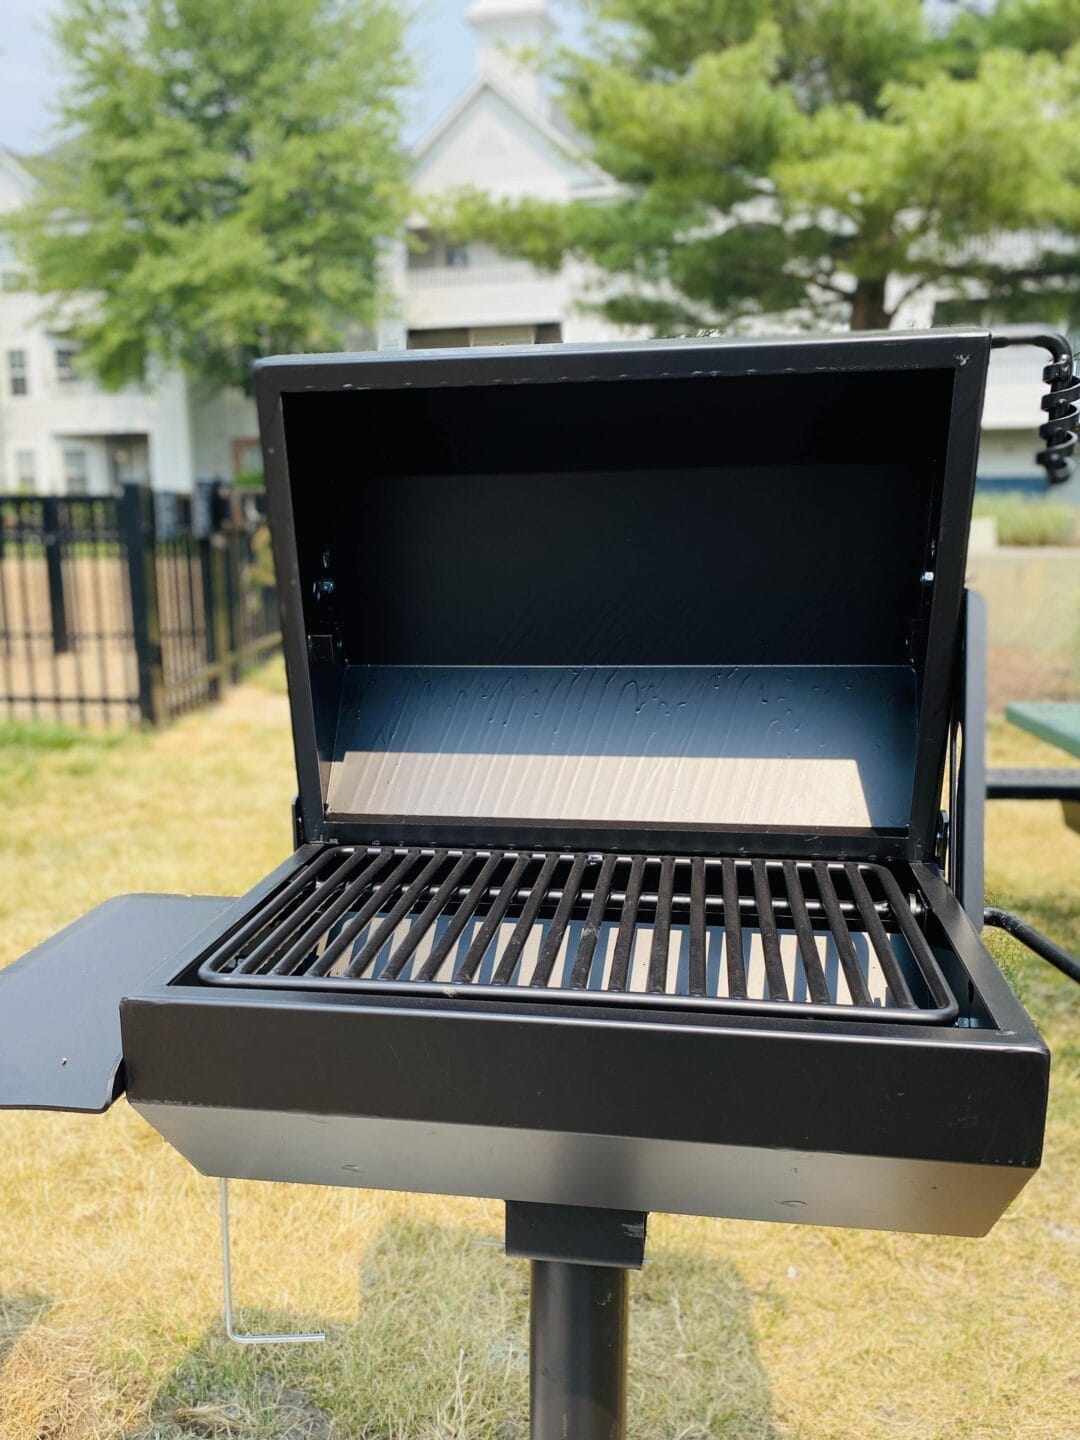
(774, 961)
(853, 974)
(427, 917)
(275, 906)
(590, 933)
(697, 977)
(461, 918)
(733, 939)
(661, 935)
(815, 975)
(549, 951)
(872, 920)
(837, 938)
(371, 907)
(915, 938)
(318, 898)
(382, 932)
(294, 956)
(480, 946)
(512, 954)
(624, 941)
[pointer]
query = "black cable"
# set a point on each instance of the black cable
(1034, 940)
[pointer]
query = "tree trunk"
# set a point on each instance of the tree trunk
(868, 306)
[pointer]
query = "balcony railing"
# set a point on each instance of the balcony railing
(444, 277)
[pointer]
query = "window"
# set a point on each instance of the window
(457, 256)
(65, 363)
(17, 372)
(76, 471)
(436, 339)
(25, 470)
(247, 460)
(503, 335)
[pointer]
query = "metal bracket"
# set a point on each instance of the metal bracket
(299, 1338)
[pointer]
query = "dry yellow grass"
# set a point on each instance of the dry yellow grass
(109, 1272)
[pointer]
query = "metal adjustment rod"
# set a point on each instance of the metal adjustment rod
(312, 1337)
(1038, 943)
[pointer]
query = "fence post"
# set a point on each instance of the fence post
(234, 592)
(50, 536)
(137, 527)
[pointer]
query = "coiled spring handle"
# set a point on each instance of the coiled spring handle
(1062, 403)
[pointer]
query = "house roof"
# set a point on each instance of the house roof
(544, 127)
(17, 168)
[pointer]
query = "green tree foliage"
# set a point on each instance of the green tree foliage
(785, 157)
(227, 170)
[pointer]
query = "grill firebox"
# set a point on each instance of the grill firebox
(765, 937)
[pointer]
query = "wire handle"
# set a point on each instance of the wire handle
(1062, 404)
(298, 1338)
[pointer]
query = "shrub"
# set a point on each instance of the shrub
(1027, 521)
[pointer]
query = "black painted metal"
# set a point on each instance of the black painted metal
(578, 1328)
(137, 519)
(1035, 940)
(500, 448)
(576, 1234)
(1024, 784)
(1062, 404)
(968, 821)
(497, 924)
(60, 1004)
(50, 515)
(578, 1314)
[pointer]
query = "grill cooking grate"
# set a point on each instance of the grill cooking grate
(768, 936)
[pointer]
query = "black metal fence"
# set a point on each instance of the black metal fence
(132, 608)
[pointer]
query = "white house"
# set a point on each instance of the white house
(502, 137)
(61, 433)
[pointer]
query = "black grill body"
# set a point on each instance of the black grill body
(626, 687)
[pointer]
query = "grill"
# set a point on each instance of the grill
(765, 937)
(638, 820)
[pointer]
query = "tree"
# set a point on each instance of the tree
(785, 158)
(227, 170)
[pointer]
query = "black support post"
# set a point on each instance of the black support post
(137, 523)
(968, 823)
(577, 1351)
(578, 1315)
(50, 525)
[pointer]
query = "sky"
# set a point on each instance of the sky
(28, 76)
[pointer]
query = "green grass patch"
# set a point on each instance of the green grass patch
(1026, 521)
(31, 735)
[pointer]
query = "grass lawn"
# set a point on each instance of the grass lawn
(110, 1322)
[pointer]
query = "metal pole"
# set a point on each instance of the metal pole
(577, 1338)
(137, 528)
(54, 566)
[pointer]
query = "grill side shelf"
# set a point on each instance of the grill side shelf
(781, 938)
(60, 1046)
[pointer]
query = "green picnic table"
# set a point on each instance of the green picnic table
(1055, 721)
(1058, 723)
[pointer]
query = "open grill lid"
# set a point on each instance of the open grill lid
(699, 596)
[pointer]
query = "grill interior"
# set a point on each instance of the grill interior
(767, 936)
